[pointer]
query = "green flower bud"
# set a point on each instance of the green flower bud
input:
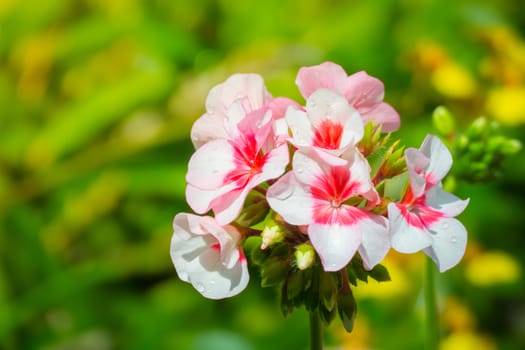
(443, 121)
(271, 234)
(479, 128)
(510, 147)
(304, 256)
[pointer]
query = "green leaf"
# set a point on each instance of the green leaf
(347, 308)
(379, 273)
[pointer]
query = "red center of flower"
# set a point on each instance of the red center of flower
(328, 134)
(330, 192)
(416, 213)
(249, 160)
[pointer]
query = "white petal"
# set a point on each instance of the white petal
(308, 168)
(326, 104)
(445, 202)
(228, 206)
(215, 281)
(300, 126)
(275, 164)
(288, 198)
(201, 200)
(336, 244)
(375, 241)
(207, 128)
(440, 158)
(405, 238)
(210, 164)
(416, 164)
(449, 243)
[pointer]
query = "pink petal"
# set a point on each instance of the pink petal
(237, 86)
(327, 75)
(210, 165)
(440, 158)
(375, 240)
(280, 105)
(336, 244)
(444, 202)
(406, 238)
(449, 243)
(383, 114)
(364, 92)
(290, 200)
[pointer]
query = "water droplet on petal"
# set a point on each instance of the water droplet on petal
(299, 170)
(313, 104)
(200, 287)
(454, 240)
(444, 226)
(285, 193)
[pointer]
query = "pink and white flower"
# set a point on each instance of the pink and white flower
(208, 256)
(363, 92)
(247, 89)
(424, 219)
(222, 172)
(323, 193)
(329, 123)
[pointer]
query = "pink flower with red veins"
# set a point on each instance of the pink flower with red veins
(323, 193)
(363, 92)
(329, 124)
(424, 219)
(222, 172)
(208, 256)
(248, 88)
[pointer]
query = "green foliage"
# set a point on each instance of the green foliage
(97, 99)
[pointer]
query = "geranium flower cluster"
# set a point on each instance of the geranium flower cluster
(313, 178)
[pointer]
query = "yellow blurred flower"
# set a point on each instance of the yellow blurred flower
(456, 315)
(466, 341)
(359, 339)
(493, 268)
(507, 104)
(453, 80)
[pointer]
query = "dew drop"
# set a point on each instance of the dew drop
(454, 240)
(299, 170)
(444, 226)
(313, 104)
(285, 193)
(200, 287)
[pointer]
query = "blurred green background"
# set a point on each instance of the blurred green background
(96, 102)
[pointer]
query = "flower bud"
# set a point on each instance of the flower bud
(271, 234)
(443, 121)
(304, 256)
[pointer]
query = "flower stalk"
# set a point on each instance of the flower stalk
(431, 321)
(316, 331)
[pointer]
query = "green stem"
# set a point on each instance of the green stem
(316, 331)
(431, 336)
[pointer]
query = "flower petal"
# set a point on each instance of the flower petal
(384, 115)
(215, 273)
(449, 243)
(363, 91)
(290, 200)
(336, 244)
(448, 204)
(440, 158)
(375, 241)
(327, 75)
(210, 165)
(405, 238)
(208, 127)
(416, 164)
(228, 206)
(300, 126)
